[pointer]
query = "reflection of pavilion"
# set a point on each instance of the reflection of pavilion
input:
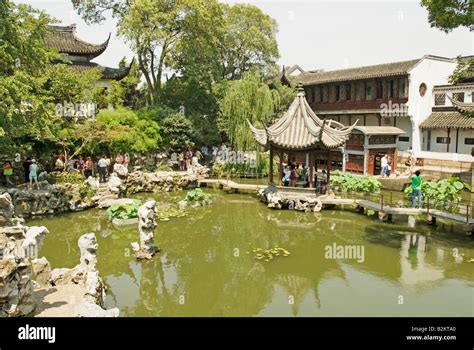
(300, 134)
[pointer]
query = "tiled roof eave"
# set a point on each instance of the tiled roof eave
(375, 76)
(445, 120)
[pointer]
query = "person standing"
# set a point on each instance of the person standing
(26, 169)
(182, 164)
(80, 164)
(188, 157)
(59, 164)
(88, 167)
(416, 189)
(384, 165)
(102, 164)
(119, 159)
(7, 173)
(33, 174)
(286, 176)
(389, 166)
(293, 176)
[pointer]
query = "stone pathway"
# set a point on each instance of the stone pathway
(58, 301)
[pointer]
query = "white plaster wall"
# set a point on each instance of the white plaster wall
(442, 147)
(462, 147)
(431, 72)
(404, 123)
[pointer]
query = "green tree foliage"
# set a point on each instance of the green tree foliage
(198, 41)
(128, 132)
(24, 112)
(177, 131)
(450, 14)
(121, 130)
(464, 69)
(130, 95)
(249, 41)
(249, 99)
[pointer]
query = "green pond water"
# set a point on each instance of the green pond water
(204, 269)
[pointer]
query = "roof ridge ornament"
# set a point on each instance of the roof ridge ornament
(300, 89)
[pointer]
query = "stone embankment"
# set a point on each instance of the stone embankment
(28, 286)
(57, 198)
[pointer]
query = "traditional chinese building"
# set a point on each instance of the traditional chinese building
(80, 53)
(301, 135)
(397, 94)
(450, 126)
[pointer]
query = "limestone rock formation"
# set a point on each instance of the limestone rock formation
(6, 208)
(88, 309)
(16, 288)
(159, 181)
(42, 270)
(115, 184)
(86, 275)
(146, 228)
(121, 171)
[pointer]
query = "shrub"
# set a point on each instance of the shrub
(354, 183)
(63, 177)
(445, 193)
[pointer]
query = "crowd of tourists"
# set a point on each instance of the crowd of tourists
(297, 173)
(88, 166)
(192, 157)
(85, 165)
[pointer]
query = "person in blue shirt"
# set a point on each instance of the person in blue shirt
(33, 175)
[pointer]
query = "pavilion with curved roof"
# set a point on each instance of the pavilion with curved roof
(301, 132)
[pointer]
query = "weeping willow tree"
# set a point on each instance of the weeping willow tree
(246, 99)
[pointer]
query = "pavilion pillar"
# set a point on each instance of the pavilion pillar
(310, 166)
(280, 169)
(270, 174)
(329, 165)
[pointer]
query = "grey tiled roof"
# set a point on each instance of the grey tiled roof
(365, 72)
(63, 38)
(450, 119)
(300, 128)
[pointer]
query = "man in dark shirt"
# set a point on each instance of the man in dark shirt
(26, 169)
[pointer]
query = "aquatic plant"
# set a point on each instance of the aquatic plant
(197, 195)
(269, 254)
(124, 211)
(168, 213)
(445, 193)
(348, 182)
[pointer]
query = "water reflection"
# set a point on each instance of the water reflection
(199, 272)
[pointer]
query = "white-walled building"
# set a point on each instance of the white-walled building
(450, 126)
(398, 94)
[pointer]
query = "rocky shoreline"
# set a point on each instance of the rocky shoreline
(26, 281)
(58, 198)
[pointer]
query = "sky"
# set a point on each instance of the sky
(315, 34)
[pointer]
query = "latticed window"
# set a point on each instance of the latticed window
(440, 99)
(458, 96)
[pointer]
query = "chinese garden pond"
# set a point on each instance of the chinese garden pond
(207, 266)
